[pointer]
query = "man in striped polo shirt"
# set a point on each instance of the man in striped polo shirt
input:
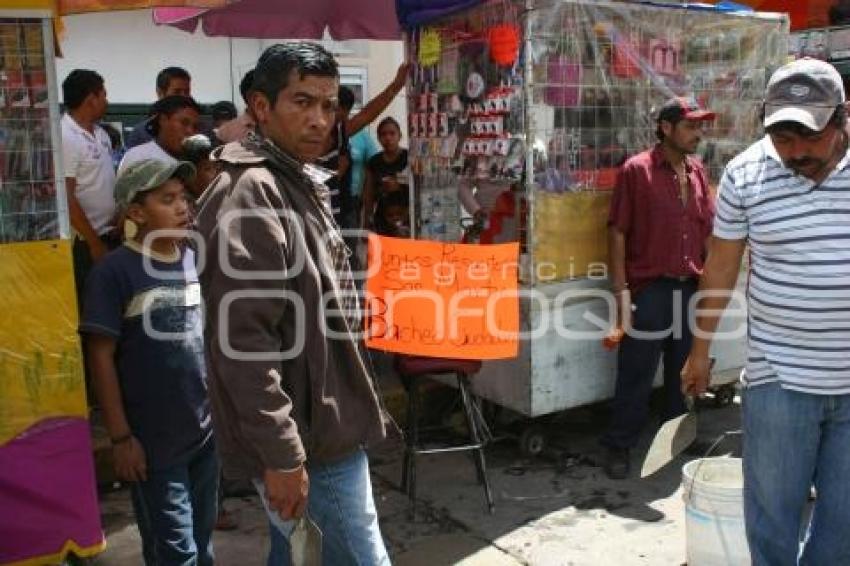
(787, 198)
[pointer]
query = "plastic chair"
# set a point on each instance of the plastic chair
(414, 368)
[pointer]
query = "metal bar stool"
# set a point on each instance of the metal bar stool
(413, 368)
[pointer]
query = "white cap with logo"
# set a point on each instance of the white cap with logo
(806, 91)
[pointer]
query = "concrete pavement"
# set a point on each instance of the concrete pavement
(548, 512)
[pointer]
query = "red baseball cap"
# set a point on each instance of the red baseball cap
(684, 108)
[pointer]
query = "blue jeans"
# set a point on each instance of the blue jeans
(340, 503)
(176, 511)
(793, 440)
(656, 309)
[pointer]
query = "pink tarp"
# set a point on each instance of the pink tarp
(48, 499)
(295, 19)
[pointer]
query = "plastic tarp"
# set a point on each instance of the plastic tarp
(412, 13)
(48, 495)
(600, 70)
(597, 72)
(299, 19)
(47, 489)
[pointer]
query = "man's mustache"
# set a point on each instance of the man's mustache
(800, 163)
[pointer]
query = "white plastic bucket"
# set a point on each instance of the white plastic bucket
(714, 512)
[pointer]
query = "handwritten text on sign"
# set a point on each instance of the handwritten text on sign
(442, 299)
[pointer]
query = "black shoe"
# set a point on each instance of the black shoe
(617, 463)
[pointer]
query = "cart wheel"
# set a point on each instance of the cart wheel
(532, 442)
(724, 395)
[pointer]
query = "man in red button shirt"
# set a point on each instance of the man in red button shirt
(659, 224)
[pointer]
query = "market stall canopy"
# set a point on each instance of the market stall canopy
(803, 13)
(349, 19)
(412, 13)
(83, 6)
(303, 19)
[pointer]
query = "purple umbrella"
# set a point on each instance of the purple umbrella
(301, 19)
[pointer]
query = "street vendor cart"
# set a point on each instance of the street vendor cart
(529, 107)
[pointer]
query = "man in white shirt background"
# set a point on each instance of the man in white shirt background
(89, 172)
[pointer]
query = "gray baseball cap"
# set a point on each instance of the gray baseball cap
(147, 175)
(805, 91)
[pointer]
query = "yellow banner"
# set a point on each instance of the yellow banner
(28, 5)
(40, 366)
(81, 6)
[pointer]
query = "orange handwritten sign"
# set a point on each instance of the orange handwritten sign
(441, 299)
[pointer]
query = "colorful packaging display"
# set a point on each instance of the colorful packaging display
(28, 206)
(597, 72)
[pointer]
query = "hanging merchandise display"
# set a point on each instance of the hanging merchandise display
(28, 204)
(530, 140)
(429, 48)
(48, 498)
(466, 121)
(829, 44)
(447, 82)
(563, 74)
(504, 44)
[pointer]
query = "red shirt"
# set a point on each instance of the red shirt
(663, 237)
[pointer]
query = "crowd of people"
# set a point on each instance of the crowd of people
(161, 378)
(285, 397)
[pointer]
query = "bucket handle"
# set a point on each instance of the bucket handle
(708, 452)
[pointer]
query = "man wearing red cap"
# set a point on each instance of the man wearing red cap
(659, 224)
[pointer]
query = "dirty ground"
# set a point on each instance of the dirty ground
(558, 509)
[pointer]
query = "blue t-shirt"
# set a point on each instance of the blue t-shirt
(154, 312)
(138, 135)
(361, 147)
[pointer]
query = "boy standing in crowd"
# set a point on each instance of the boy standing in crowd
(143, 332)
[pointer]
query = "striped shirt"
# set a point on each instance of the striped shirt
(350, 305)
(798, 234)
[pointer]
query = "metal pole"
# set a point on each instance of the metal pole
(528, 119)
(55, 131)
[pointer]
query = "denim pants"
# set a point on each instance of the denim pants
(176, 511)
(792, 441)
(340, 503)
(661, 309)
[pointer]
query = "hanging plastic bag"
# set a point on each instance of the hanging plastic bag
(625, 59)
(305, 543)
(563, 73)
(430, 46)
(504, 44)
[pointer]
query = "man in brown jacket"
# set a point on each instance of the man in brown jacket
(291, 394)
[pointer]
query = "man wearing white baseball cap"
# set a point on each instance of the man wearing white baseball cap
(787, 199)
(805, 92)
